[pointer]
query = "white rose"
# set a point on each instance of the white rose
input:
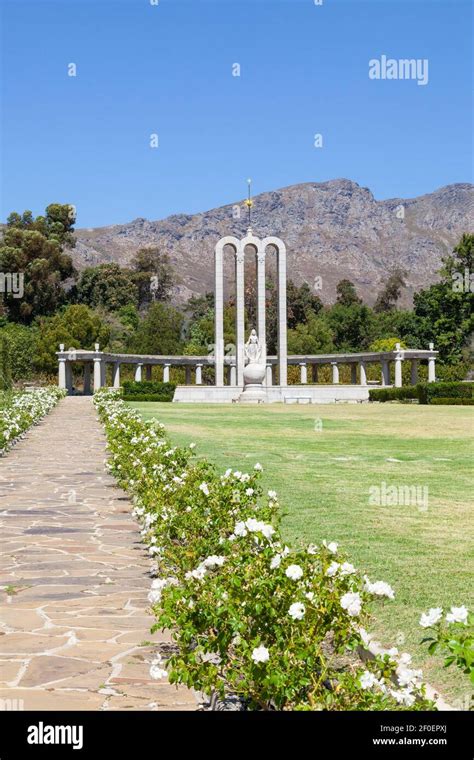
(260, 654)
(457, 615)
(296, 611)
(294, 572)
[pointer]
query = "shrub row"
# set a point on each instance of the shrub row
(452, 401)
(24, 410)
(148, 397)
(427, 393)
(148, 391)
(393, 394)
(248, 616)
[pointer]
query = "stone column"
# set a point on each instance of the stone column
(103, 372)
(138, 373)
(432, 366)
(166, 373)
(261, 304)
(354, 374)
(240, 309)
(385, 372)
(269, 375)
(233, 374)
(314, 373)
(187, 378)
(116, 375)
(69, 378)
(198, 374)
(282, 317)
(97, 373)
(362, 374)
(148, 372)
(303, 373)
(398, 368)
(335, 373)
(62, 373)
(87, 379)
(414, 371)
(219, 314)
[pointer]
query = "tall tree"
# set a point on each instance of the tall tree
(153, 275)
(347, 293)
(392, 290)
(353, 326)
(160, 331)
(106, 286)
(33, 249)
(77, 326)
(447, 307)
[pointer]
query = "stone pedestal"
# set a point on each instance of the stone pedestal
(254, 391)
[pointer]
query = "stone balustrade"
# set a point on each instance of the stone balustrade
(96, 362)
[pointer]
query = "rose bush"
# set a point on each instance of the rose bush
(452, 634)
(24, 410)
(249, 617)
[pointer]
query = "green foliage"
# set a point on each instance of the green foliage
(302, 304)
(391, 292)
(427, 393)
(24, 410)
(160, 331)
(430, 391)
(22, 343)
(453, 401)
(34, 248)
(148, 391)
(448, 313)
(347, 293)
(76, 326)
(107, 286)
(248, 616)
(122, 326)
(311, 337)
(153, 275)
(448, 373)
(394, 394)
(386, 344)
(5, 365)
(453, 636)
(353, 327)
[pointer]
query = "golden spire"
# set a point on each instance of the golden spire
(249, 203)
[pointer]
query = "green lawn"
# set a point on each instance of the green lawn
(322, 460)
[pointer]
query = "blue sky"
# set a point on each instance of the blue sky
(166, 69)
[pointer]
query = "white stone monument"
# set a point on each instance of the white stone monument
(254, 373)
(250, 245)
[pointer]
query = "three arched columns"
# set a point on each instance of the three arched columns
(259, 248)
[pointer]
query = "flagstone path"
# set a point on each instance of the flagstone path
(74, 577)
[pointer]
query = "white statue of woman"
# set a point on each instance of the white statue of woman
(253, 349)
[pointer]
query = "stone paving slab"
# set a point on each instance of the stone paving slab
(74, 577)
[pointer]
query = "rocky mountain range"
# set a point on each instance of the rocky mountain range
(332, 230)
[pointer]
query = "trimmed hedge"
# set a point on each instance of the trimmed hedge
(427, 393)
(148, 391)
(445, 390)
(148, 397)
(441, 401)
(393, 394)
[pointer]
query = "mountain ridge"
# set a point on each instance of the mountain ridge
(332, 230)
